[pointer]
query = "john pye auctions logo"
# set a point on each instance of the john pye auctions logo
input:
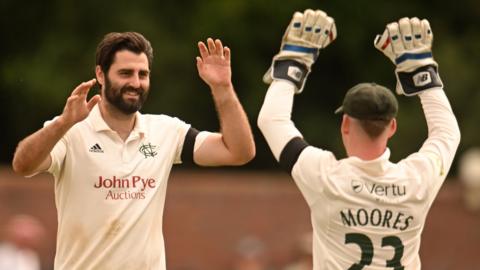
(133, 187)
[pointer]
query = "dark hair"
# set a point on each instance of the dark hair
(114, 42)
(374, 128)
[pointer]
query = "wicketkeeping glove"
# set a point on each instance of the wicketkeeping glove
(408, 44)
(306, 34)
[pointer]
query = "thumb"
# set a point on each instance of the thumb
(377, 39)
(199, 61)
(93, 101)
(381, 42)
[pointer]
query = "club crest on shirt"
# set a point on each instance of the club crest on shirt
(148, 150)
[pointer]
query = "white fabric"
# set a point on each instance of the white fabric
(376, 198)
(110, 194)
(274, 117)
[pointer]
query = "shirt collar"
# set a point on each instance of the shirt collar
(377, 165)
(98, 123)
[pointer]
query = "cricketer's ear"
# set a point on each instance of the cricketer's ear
(392, 128)
(345, 128)
(100, 75)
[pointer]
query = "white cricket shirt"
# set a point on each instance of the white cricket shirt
(366, 214)
(110, 193)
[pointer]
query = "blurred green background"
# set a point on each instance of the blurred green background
(49, 48)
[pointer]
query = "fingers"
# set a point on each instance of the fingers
(215, 47)
(93, 101)
(409, 38)
(294, 30)
(416, 32)
(318, 27)
(212, 48)
(218, 47)
(199, 60)
(83, 88)
(383, 41)
(406, 32)
(309, 18)
(394, 33)
(227, 53)
(202, 49)
(427, 32)
(333, 32)
(312, 26)
(329, 31)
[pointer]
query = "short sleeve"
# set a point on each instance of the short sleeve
(310, 172)
(430, 168)
(182, 129)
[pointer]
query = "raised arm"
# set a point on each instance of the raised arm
(274, 119)
(234, 144)
(408, 44)
(33, 153)
(306, 34)
(443, 130)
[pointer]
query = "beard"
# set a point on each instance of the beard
(114, 95)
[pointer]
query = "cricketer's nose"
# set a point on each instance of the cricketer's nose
(135, 81)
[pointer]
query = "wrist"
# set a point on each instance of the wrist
(62, 123)
(221, 88)
(421, 79)
(222, 93)
(292, 71)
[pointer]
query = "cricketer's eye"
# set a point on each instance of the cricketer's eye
(144, 74)
(124, 73)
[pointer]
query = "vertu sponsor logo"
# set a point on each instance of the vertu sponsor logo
(357, 186)
(387, 190)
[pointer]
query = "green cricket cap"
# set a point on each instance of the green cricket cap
(369, 101)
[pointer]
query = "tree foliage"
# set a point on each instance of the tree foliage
(49, 48)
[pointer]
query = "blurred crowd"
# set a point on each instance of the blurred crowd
(251, 254)
(23, 235)
(469, 174)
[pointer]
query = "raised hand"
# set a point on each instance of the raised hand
(213, 64)
(77, 108)
(408, 44)
(306, 35)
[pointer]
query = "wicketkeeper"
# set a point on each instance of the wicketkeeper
(366, 212)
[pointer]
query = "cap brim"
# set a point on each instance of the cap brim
(339, 110)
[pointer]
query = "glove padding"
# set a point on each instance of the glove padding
(408, 44)
(306, 34)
